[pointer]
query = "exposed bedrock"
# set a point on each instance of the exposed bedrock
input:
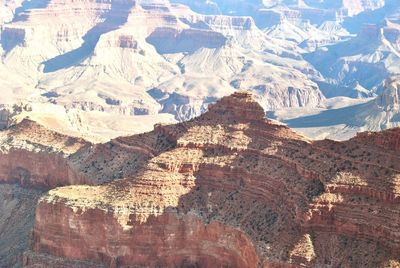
(31, 155)
(163, 241)
(231, 189)
(17, 216)
(38, 169)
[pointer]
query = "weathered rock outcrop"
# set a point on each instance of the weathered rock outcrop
(228, 189)
(17, 216)
(31, 155)
(105, 56)
(34, 156)
(389, 99)
(4, 118)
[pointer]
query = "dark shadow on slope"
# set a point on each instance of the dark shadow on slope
(116, 17)
(196, 25)
(178, 104)
(170, 41)
(17, 217)
(334, 63)
(391, 10)
(12, 37)
(352, 91)
(21, 12)
(346, 115)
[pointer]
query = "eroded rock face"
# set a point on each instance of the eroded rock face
(103, 57)
(355, 57)
(17, 215)
(31, 155)
(4, 118)
(230, 189)
(389, 99)
(196, 243)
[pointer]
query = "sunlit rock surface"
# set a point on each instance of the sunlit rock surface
(229, 188)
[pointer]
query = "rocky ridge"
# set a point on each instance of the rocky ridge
(31, 155)
(229, 188)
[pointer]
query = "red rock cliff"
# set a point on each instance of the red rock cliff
(227, 189)
(34, 156)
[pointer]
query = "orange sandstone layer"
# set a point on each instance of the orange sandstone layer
(227, 189)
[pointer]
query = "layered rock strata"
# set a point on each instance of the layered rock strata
(105, 57)
(31, 155)
(227, 189)
(17, 216)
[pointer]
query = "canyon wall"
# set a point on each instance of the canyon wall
(33, 156)
(189, 241)
(17, 216)
(228, 188)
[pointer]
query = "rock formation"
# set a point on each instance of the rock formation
(17, 216)
(116, 52)
(32, 159)
(227, 189)
(5, 115)
(344, 122)
(34, 156)
(314, 10)
(389, 99)
(369, 58)
(84, 63)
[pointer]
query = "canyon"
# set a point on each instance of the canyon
(229, 188)
(346, 120)
(79, 65)
(143, 58)
(157, 133)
